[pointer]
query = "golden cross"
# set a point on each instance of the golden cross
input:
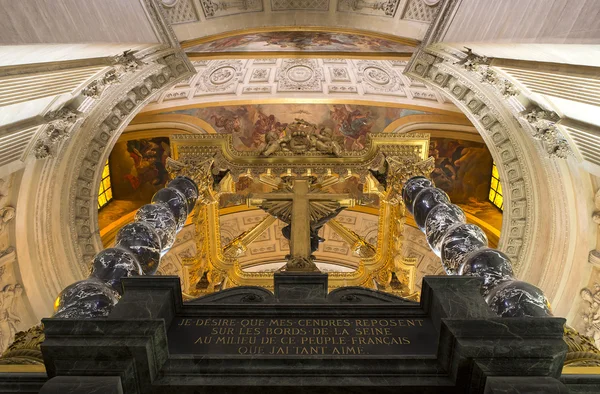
(302, 207)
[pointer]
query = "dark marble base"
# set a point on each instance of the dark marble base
(524, 385)
(22, 382)
(582, 384)
(83, 385)
(471, 345)
(300, 287)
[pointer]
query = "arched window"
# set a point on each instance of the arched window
(105, 191)
(496, 189)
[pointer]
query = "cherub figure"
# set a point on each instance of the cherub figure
(8, 319)
(273, 143)
(6, 215)
(325, 143)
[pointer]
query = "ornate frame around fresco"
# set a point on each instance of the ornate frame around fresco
(293, 54)
(213, 266)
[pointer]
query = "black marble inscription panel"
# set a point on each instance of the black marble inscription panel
(303, 336)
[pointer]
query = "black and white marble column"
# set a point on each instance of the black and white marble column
(138, 249)
(463, 249)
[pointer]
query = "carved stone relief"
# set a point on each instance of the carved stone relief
(590, 313)
(4, 187)
(161, 70)
(370, 7)
(339, 74)
(297, 75)
(594, 256)
(379, 78)
(260, 75)
(546, 131)
(276, 76)
(220, 77)
(179, 11)
(58, 129)
(312, 5)
(9, 319)
(7, 214)
(436, 71)
(217, 8)
(421, 10)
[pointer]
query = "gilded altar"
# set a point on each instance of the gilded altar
(380, 167)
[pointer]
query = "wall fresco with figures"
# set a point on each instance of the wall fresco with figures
(292, 41)
(463, 169)
(249, 124)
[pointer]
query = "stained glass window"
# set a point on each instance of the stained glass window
(496, 189)
(105, 191)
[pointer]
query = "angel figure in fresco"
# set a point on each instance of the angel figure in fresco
(149, 160)
(353, 125)
(8, 319)
(263, 125)
(229, 125)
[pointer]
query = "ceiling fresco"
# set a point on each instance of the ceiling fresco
(249, 124)
(300, 41)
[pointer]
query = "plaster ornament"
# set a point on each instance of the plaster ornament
(176, 201)
(140, 239)
(188, 188)
(438, 222)
(490, 264)
(3, 192)
(545, 130)
(7, 214)
(425, 201)
(300, 75)
(518, 299)
(385, 8)
(8, 318)
(377, 77)
(112, 264)
(443, 72)
(41, 150)
(411, 188)
(591, 312)
(459, 241)
(162, 220)
(122, 64)
(86, 299)
(6, 252)
(302, 138)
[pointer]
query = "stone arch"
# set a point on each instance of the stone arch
(538, 243)
(58, 195)
(61, 223)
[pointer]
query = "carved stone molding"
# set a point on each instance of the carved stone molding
(421, 10)
(381, 80)
(58, 129)
(378, 77)
(301, 75)
(221, 77)
(61, 208)
(217, 8)
(386, 8)
(7, 214)
(165, 71)
(179, 11)
(497, 132)
(590, 313)
(545, 130)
